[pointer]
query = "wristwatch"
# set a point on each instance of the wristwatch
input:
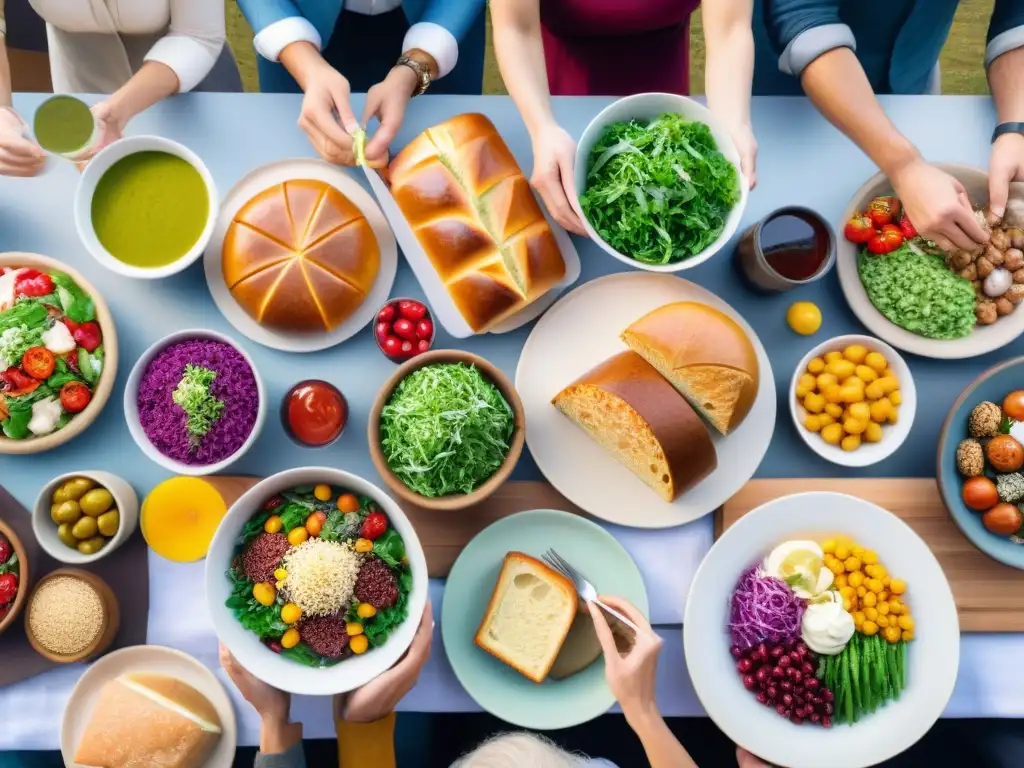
(1004, 128)
(421, 70)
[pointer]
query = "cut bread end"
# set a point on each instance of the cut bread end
(530, 613)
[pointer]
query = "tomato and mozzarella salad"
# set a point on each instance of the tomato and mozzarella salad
(51, 351)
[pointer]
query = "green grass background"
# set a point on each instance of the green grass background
(962, 58)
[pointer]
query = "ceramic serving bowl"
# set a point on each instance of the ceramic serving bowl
(131, 406)
(126, 502)
(983, 339)
(893, 435)
(453, 501)
(23, 577)
(647, 106)
(273, 668)
(932, 656)
(103, 388)
(993, 385)
(91, 176)
(111, 617)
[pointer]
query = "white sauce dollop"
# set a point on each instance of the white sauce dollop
(45, 415)
(58, 339)
(827, 627)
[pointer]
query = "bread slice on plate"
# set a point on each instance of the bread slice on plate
(627, 408)
(704, 354)
(530, 613)
(148, 719)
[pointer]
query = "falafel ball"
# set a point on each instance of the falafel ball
(970, 458)
(376, 584)
(984, 420)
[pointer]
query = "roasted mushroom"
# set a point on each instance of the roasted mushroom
(1000, 241)
(960, 259)
(993, 254)
(986, 312)
(1015, 294)
(1003, 306)
(1016, 237)
(970, 272)
(985, 267)
(1014, 259)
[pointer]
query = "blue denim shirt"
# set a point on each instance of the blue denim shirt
(897, 41)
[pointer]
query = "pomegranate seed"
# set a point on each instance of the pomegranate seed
(777, 651)
(749, 682)
(736, 651)
(786, 685)
(829, 709)
(811, 682)
(815, 717)
(761, 698)
(781, 709)
(772, 691)
(796, 720)
(785, 661)
(826, 722)
(827, 695)
(762, 651)
(787, 699)
(744, 665)
(763, 674)
(798, 676)
(807, 668)
(778, 673)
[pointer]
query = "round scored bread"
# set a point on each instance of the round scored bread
(705, 355)
(628, 408)
(300, 257)
(476, 218)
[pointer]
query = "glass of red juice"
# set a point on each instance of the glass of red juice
(788, 248)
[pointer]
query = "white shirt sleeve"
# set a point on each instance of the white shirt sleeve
(193, 42)
(274, 38)
(435, 40)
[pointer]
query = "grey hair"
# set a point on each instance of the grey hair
(519, 750)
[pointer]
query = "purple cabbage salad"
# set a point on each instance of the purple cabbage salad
(198, 401)
(764, 609)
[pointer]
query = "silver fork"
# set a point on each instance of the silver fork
(620, 624)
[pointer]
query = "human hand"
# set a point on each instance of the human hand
(746, 145)
(325, 109)
(381, 695)
(1006, 164)
(269, 703)
(110, 124)
(19, 155)
(746, 760)
(387, 101)
(938, 206)
(554, 154)
(631, 675)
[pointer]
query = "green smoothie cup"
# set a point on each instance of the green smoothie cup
(65, 126)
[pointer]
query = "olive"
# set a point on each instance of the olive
(96, 502)
(68, 512)
(91, 546)
(85, 528)
(108, 522)
(65, 535)
(60, 495)
(78, 487)
(53, 513)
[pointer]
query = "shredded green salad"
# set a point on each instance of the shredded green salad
(193, 395)
(446, 429)
(659, 191)
(916, 291)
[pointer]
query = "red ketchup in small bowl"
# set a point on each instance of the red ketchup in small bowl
(404, 329)
(314, 413)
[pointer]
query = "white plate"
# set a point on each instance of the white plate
(932, 658)
(445, 311)
(893, 435)
(148, 658)
(982, 340)
(277, 173)
(587, 324)
(648, 106)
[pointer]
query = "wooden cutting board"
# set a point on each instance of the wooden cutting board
(989, 595)
(445, 534)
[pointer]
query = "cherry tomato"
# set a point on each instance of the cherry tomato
(74, 396)
(382, 330)
(1004, 453)
(387, 314)
(8, 588)
(313, 525)
(1003, 519)
(424, 329)
(88, 335)
(38, 362)
(392, 346)
(348, 502)
(407, 349)
(412, 310)
(1013, 405)
(32, 282)
(404, 328)
(423, 345)
(979, 493)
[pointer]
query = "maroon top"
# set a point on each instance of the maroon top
(617, 47)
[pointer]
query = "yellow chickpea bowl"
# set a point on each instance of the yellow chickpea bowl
(853, 400)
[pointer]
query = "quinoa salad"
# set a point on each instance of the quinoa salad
(320, 575)
(198, 401)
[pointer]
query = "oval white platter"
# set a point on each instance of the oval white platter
(159, 660)
(587, 324)
(277, 173)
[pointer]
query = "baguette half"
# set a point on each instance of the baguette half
(530, 613)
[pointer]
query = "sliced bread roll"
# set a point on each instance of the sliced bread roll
(530, 613)
(633, 413)
(147, 720)
(704, 354)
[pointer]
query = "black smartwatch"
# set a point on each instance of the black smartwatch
(1003, 128)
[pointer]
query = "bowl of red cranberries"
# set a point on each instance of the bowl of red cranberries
(404, 329)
